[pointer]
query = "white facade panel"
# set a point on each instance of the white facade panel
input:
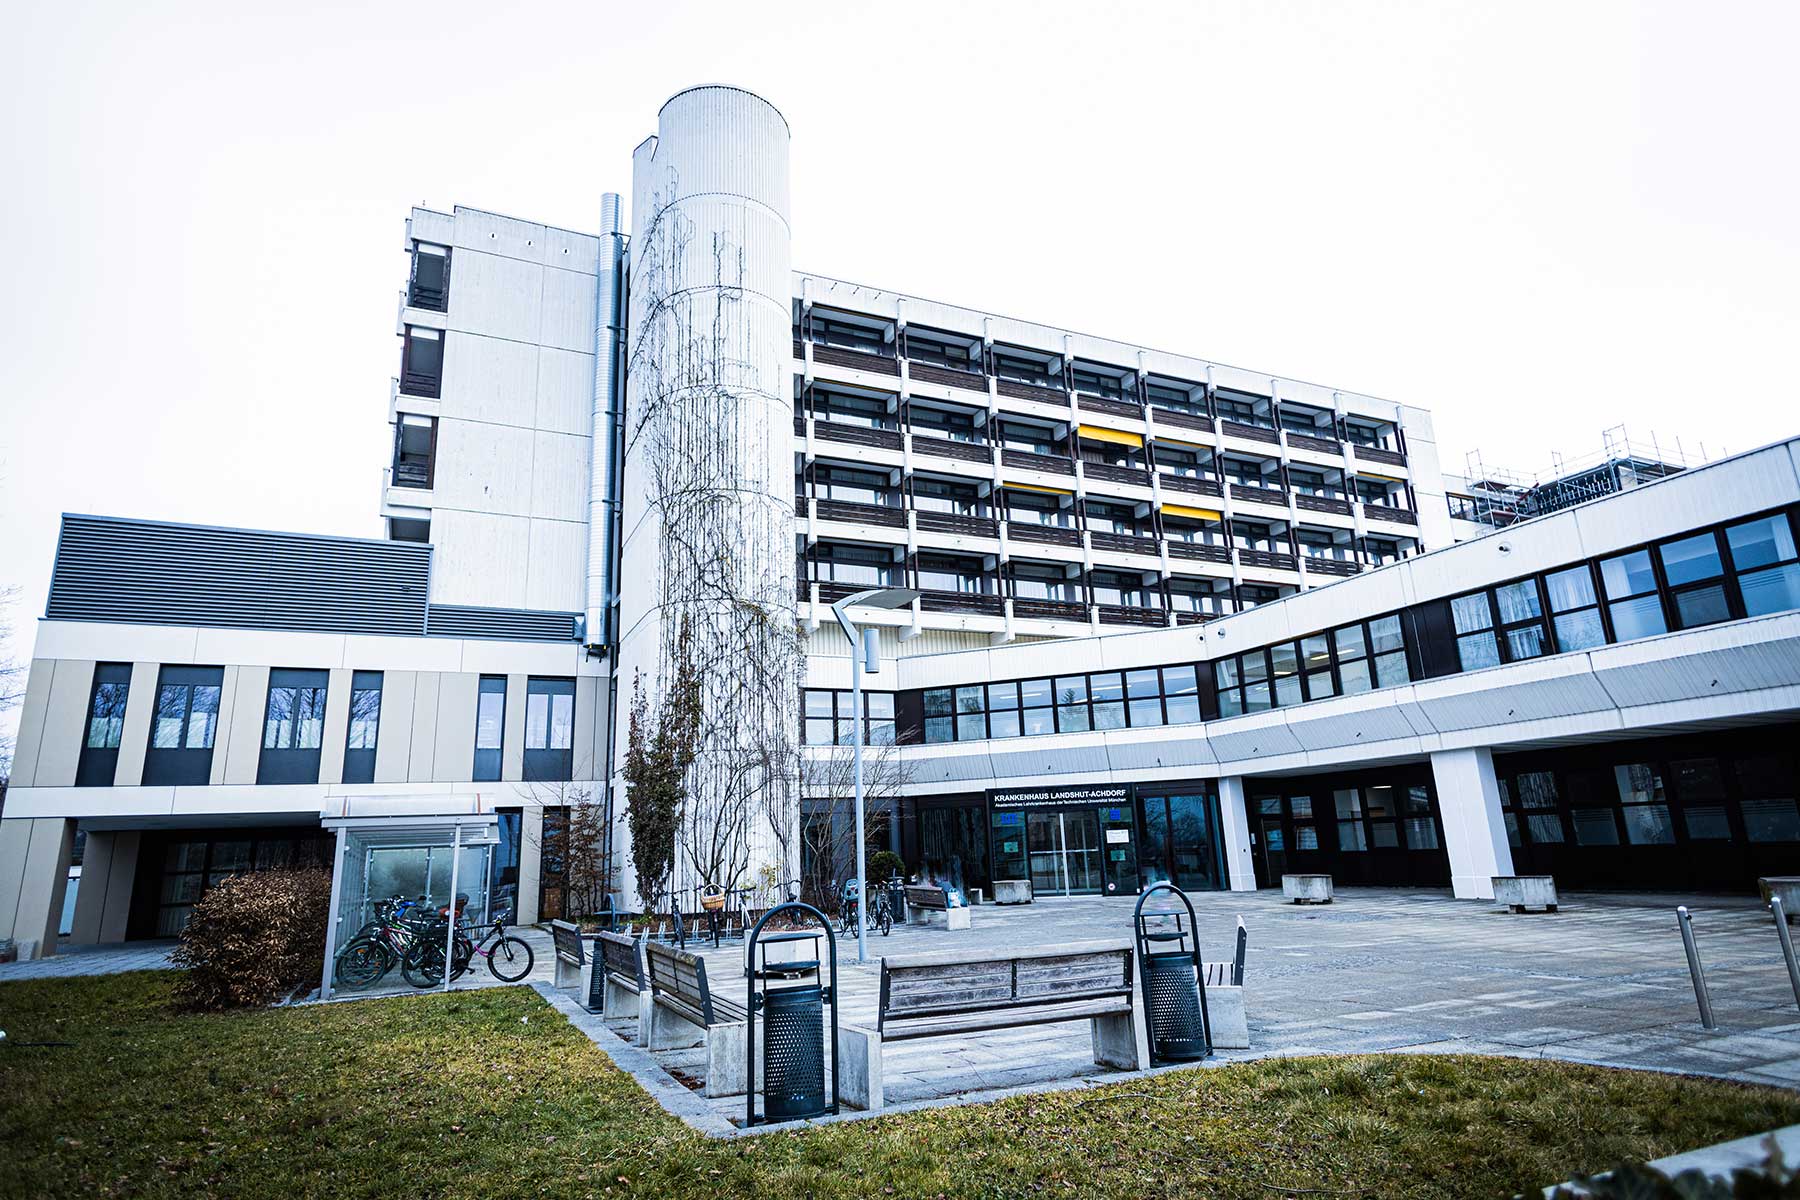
(565, 382)
(495, 296)
(489, 380)
(557, 578)
(567, 321)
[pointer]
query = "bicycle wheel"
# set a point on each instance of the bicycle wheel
(510, 959)
(887, 920)
(424, 965)
(361, 963)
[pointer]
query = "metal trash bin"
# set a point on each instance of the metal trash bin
(1173, 981)
(794, 1051)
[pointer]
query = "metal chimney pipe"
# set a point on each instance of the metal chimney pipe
(608, 415)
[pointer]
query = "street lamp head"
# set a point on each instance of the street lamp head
(873, 598)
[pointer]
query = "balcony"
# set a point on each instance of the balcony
(1194, 618)
(1190, 483)
(1025, 460)
(961, 602)
(1332, 566)
(1384, 512)
(1050, 610)
(856, 360)
(1124, 543)
(1253, 433)
(1031, 391)
(1325, 504)
(921, 372)
(944, 448)
(958, 523)
(799, 348)
(1200, 552)
(1376, 454)
(857, 435)
(1259, 495)
(831, 590)
(1181, 420)
(1117, 408)
(1049, 535)
(862, 514)
(1268, 559)
(1126, 614)
(1302, 441)
(1136, 476)
(412, 475)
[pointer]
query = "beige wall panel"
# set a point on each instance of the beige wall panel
(134, 738)
(424, 727)
(393, 734)
(512, 747)
(456, 728)
(337, 727)
(59, 745)
(31, 722)
(243, 738)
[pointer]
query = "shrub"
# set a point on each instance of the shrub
(885, 865)
(254, 939)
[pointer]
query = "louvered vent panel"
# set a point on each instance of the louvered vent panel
(157, 573)
(504, 624)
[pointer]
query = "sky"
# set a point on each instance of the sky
(1537, 220)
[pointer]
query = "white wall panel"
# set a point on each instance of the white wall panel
(489, 379)
(565, 391)
(568, 310)
(557, 576)
(559, 477)
(489, 563)
(482, 468)
(495, 296)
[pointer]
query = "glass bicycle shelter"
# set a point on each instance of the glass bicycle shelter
(388, 847)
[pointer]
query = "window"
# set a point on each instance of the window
(955, 425)
(1027, 367)
(951, 573)
(829, 719)
(948, 496)
(943, 351)
(1768, 805)
(871, 335)
(1315, 661)
(1352, 837)
(1200, 596)
(1124, 589)
(490, 727)
(866, 566)
(1521, 619)
(1632, 601)
(1575, 609)
(549, 730)
(415, 450)
(1390, 651)
(1173, 459)
(1244, 407)
(429, 287)
(1099, 381)
(1173, 394)
(1700, 786)
(855, 486)
(183, 725)
(1038, 508)
(1768, 573)
(1046, 581)
(422, 362)
(1034, 439)
(850, 408)
(1322, 543)
(293, 727)
(1695, 572)
(105, 725)
(1476, 646)
(364, 729)
(1115, 518)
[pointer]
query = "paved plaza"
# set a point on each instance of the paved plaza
(1603, 980)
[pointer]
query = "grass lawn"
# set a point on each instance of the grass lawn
(492, 1093)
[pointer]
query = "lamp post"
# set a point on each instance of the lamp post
(868, 646)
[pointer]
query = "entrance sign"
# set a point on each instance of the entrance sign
(1060, 797)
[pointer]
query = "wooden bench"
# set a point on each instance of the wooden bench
(619, 979)
(974, 991)
(571, 957)
(684, 1010)
(924, 899)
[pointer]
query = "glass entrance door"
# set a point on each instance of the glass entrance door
(1067, 855)
(1081, 846)
(1043, 839)
(1181, 841)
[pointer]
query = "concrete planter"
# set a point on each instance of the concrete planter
(1519, 892)
(949, 918)
(1307, 889)
(1225, 1011)
(1785, 886)
(1017, 891)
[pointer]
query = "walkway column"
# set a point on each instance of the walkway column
(1474, 830)
(34, 874)
(108, 871)
(1234, 819)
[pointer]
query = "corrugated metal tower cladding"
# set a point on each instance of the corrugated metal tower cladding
(708, 506)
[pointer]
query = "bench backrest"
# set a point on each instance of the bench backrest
(928, 985)
(925, 896)
(680, 976)
(1230, 974)
(623, 959)
(568, 942)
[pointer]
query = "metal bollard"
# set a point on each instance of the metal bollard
(1787, 946)
(1693, 956)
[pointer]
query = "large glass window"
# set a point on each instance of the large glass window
(364, 729)
(953, 573)
(1476, 645)
(183, 724)
(293, 727)
(866, 566)
(99, 758)
(855, 486)
(549, 730)
(1575, 609)
(1038, 508)
(490, 727)
(1768, 575)
(1046, 581)
(1695, 572)
(1632, 599)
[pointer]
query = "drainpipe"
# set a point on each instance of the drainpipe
(605, 476)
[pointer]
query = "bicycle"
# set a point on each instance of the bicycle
(881, 913)
(509, 958)
(380, 945)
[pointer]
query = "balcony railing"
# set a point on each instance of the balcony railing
(857, 435)
(799, 348)
(1116, 408)
(1050, 610)
(1305, 441)
(861, 514)
(1259, 495)
(975, 381)
(1190, 483)
(1253, 433)
(944, 448)
(856, 360)
(961, 602)
(1194, 618)
(1376, 454)
(1267, 558)
(1332, 566)
(1321, 504)
(800, 424)
(1181, 420)
(1025, 460)
(412, 475)
(1031, 391)
(1125, 614)
(942, 522)
(831, 590)
(1384, 512)
(1051, 535)
(1200, 551)
(1124, 543)
(1132, 475)
(423, 295)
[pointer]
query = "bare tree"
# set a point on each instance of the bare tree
(827, 827)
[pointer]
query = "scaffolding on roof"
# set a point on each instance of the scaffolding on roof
(1499, 497)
